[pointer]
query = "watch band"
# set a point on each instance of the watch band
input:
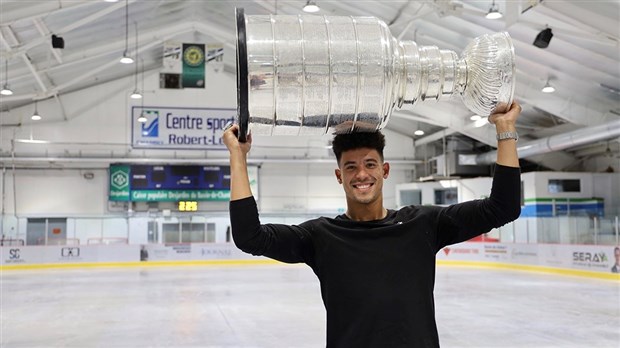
(508, 135)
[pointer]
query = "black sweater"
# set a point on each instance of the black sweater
(377, 277)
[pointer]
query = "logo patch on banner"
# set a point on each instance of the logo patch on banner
(150, 128)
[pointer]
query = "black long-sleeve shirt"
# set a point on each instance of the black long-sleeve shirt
(377, 277)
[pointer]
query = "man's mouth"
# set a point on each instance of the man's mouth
(363, 186)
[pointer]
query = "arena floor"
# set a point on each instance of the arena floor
(280, 306)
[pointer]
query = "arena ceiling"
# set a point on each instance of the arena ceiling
(582, 61)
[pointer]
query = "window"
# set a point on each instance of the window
(564, 185)
(446, 196)
(410, 197)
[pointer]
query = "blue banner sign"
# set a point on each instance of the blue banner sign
(179, 128)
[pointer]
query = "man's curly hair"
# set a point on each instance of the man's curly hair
(354, 141)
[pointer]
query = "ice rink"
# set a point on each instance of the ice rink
(280, 306)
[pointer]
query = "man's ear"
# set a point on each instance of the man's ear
(338, 175)
(386, 170)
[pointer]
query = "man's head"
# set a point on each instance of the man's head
(354, 141)
(361, 169)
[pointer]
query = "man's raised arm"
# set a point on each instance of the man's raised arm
(239, 181)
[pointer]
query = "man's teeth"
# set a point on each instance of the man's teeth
(364, 186)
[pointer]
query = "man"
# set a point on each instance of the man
(376, 266)
(616, 266)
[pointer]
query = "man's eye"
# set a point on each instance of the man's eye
(371, 165)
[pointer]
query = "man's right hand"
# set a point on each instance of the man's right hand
(232, 142)
(239, 181)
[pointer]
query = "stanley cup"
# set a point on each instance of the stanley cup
(312, 75)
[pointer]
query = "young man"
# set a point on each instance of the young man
(616, 267)
(376, 266)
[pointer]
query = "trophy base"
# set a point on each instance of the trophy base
(243, 113)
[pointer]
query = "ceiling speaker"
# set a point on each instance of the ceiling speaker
(58, 42)
(543, 38)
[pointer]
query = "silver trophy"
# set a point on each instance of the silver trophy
(312, 75)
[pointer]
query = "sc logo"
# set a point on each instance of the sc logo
(14, 254)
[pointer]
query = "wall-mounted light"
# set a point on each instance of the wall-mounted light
(311, 7)
(6, 90)
(126, 59)
(494, 12)
(35, 116)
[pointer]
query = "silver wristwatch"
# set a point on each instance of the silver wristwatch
(508, 135)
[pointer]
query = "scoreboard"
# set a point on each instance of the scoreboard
(169, 183)
(145, 177)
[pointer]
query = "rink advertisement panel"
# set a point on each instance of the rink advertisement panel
(193, 252)
(595, 258)
(580, 259)
(88, 254)
(68, 254)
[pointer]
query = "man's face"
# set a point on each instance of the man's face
(361, 173)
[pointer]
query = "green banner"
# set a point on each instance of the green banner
(193, 66)
(119, 183)
(179, 195)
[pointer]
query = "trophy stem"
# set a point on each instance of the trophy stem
(429, 73)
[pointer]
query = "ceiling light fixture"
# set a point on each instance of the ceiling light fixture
(481, 122)
(136, 93)
(142, 118)
(475, 117)
(548, 88)
(126, 59)
(311, 7)
(35, 116)
(6, 90)
(494, 12)
(419, 132)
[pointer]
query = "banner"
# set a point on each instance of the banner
(172, 58)
(180, 128)
(215, 56)
(193, 66)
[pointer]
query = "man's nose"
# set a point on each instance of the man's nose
(362, 174)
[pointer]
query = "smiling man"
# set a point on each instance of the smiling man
(376, 266)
